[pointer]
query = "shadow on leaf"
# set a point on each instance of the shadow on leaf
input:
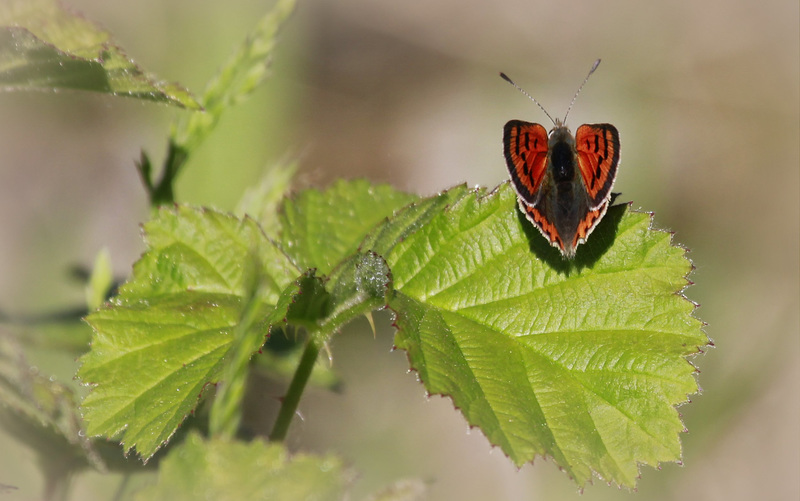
(601, 239)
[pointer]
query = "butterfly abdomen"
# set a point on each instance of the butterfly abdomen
(566, 207)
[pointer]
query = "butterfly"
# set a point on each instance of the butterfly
(563, 182)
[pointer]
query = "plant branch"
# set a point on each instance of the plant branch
(296, 387)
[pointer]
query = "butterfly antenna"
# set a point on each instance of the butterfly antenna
(594, 67)
(505, 77)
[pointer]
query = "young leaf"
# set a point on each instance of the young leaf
(43, 46)
(321, 228)
(101, 280)
(356, 287)
(262, 201)
(164, 337)
(581, 361)
(237, 78)
(231, 470)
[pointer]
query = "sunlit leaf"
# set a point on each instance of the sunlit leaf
(164, 337)
(580, 361)
(321, 228)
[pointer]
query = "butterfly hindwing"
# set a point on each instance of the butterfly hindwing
(525, 147)
(542, 223)
(598, 157)
(588, 224)
(566, 238)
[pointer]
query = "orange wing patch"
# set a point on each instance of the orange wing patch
(598, 158)
(525, 147)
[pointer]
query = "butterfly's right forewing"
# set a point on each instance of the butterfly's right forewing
(525, 147)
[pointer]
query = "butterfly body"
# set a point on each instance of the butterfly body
(563, 182)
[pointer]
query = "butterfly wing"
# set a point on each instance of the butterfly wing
(542, 218)
(525, 147)
(588, 224)
(598, 158)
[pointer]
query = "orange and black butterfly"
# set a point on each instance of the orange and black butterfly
(563, 182)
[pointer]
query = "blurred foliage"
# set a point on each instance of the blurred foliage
(43, 46)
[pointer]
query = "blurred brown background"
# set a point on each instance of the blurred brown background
(706, 96)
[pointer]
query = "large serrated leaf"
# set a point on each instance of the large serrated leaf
(228, 470)
(165, 335)
(581, 361)
(43, 46)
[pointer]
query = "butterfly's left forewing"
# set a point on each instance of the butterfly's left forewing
(525, 147)
(598, 157)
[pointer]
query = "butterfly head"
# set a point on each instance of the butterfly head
(560, 133)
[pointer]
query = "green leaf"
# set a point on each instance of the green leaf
(230, 470)
(235, 80)
(43, 413)
(101, 280)
(43, 46)
(410, 219)
(581, 361)
(164, 337)
(322, 228)
(226, 411)
(321, 231)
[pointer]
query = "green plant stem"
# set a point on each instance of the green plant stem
(163, 193)
(296, 387)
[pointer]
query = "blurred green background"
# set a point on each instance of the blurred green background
(706, 96)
